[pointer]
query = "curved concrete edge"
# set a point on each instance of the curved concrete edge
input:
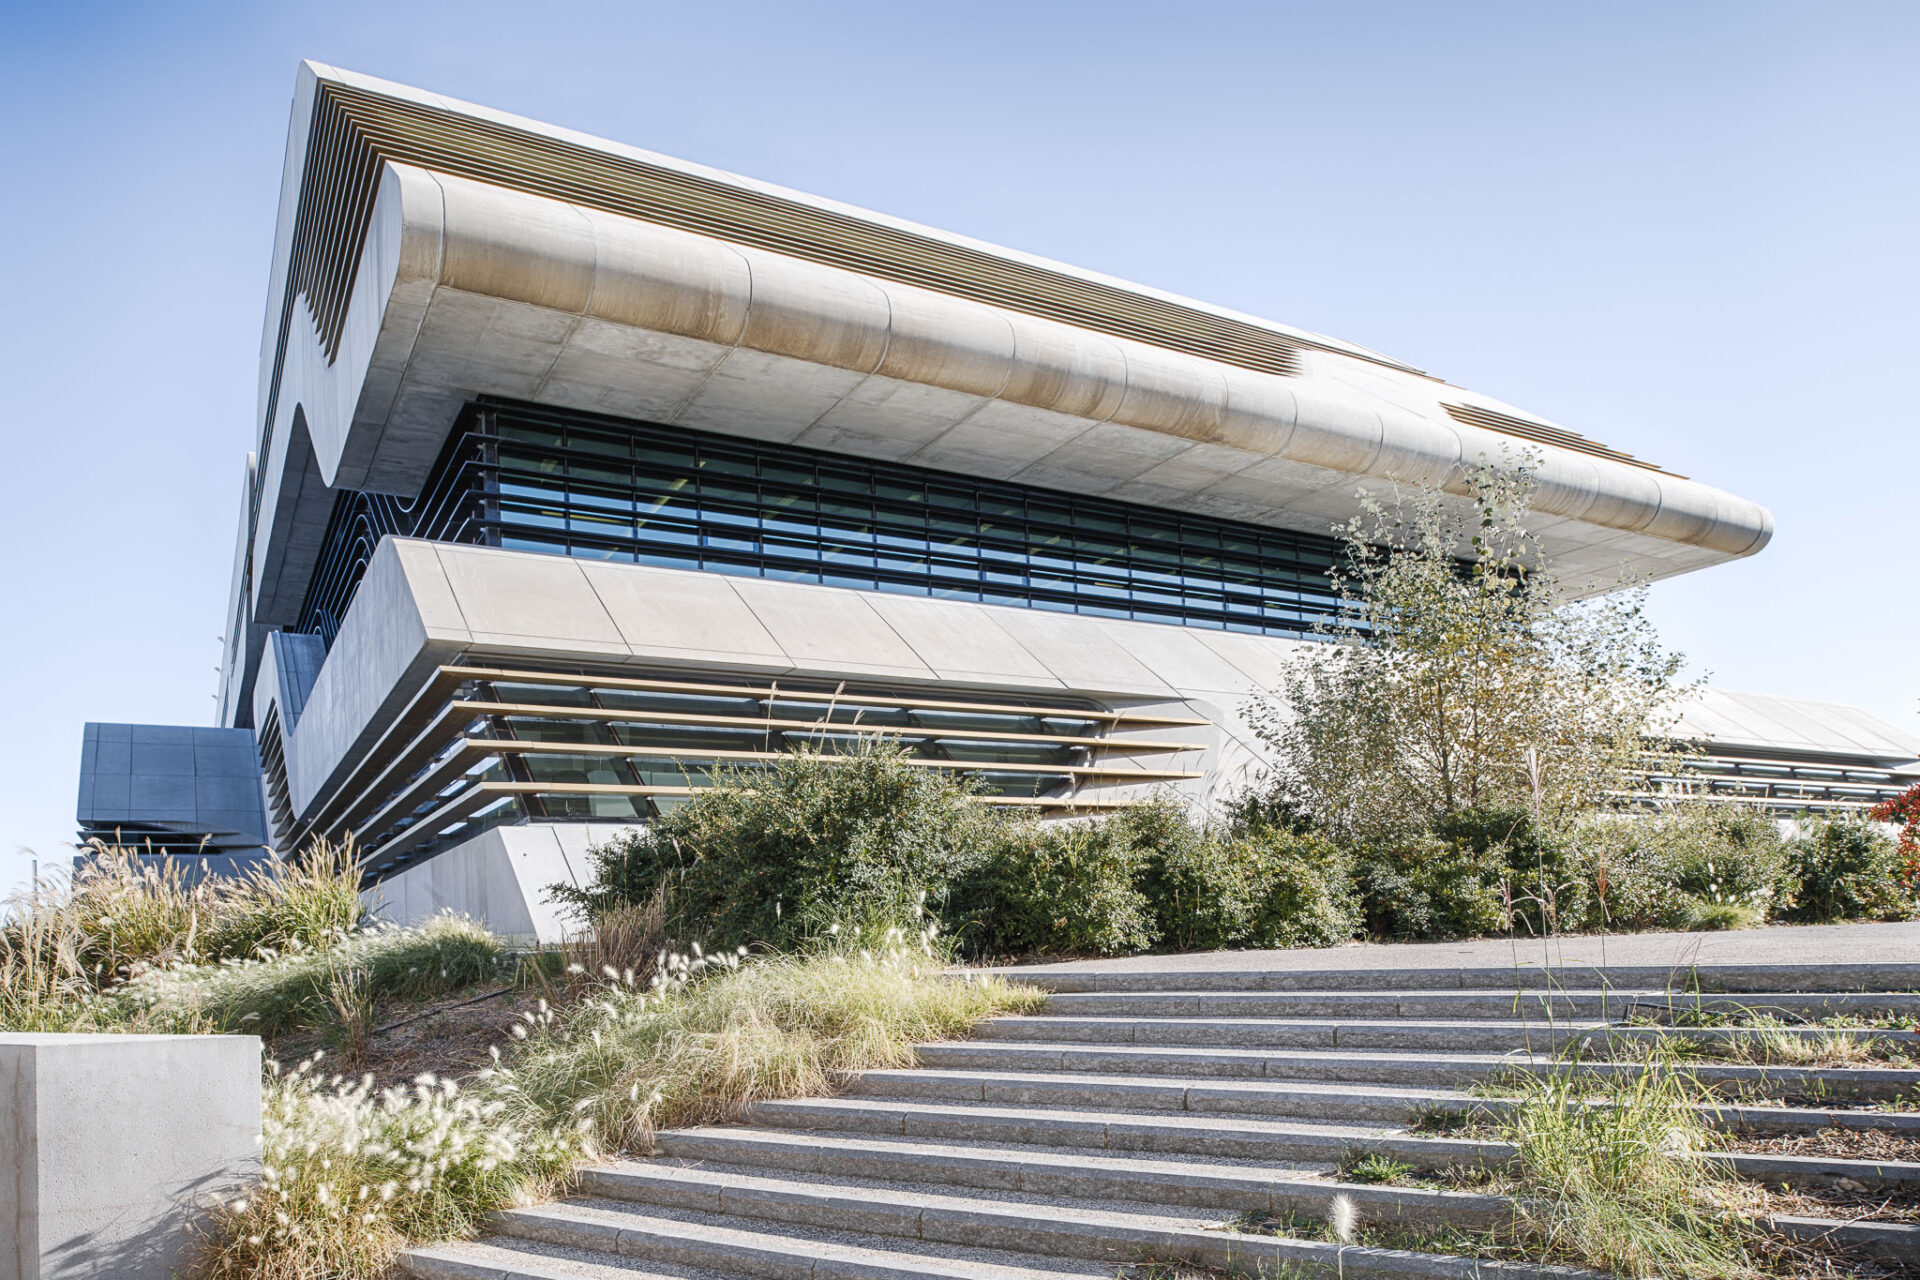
(465, 288)
(1895, 1241)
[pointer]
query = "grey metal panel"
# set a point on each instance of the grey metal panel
(190, 780)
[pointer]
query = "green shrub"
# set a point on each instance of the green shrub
(1062, 888)
(1424, 886)
(1197, 895)
(1542, 888)
(1301, 891)
(1248, 884)
(1695, 866)
(810, 842)
(1845, 869)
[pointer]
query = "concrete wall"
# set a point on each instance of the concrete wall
(500, 876)
(111, 1144)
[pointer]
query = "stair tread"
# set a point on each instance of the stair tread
(1312, 1088)
(1462, 1025)
(818, 1250)
(1512, 1057)
(1057, 1155)
(923, 1256)
(904, 1194)
(1182, 1121)
(1172, 1164)
(492, 1257)
(728, 1154)
(1031, 1047)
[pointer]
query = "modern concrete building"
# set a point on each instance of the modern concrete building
(1788, 755)
(583, 469)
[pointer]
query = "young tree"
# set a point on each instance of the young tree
(1463, 676)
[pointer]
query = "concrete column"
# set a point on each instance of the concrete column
(111, 1144)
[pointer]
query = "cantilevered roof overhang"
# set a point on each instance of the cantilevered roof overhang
(430, 251)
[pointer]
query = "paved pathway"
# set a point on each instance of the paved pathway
(1785, 944)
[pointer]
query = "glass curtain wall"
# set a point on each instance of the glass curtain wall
(537, 479)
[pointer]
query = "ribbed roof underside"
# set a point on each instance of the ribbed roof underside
(1727, 717)
(1474, 415)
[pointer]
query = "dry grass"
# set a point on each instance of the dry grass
(710, 1036)
(69, 938)
(1624, 1188)
(622, 944)
(351, 1175)
(359, 1172)
(1836, 1142)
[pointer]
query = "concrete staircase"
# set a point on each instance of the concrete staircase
(1141, 1111)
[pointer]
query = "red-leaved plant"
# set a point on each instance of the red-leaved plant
(1905, 810)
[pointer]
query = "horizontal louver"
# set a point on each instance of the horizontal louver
(1540, 433)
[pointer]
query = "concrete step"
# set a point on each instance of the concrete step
(1113, 1229)
(608, 1241)
(1291, 1033)
(1424, 1070)
(1074, 1174)
(504, 1258)
(1238, 1138)
(1477, 1004)
(1228, 1137)
(799, 1231)
(1527, 973)
(1384, 1105)
(1896, 1242)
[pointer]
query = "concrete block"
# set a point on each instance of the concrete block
(98, 1181)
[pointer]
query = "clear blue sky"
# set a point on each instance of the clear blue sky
(1687, 230)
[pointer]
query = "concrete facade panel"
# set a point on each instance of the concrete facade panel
(504, 594)
(1081, 654)
(502, 876)
(839, 631)
(679, 615)
(959, 642)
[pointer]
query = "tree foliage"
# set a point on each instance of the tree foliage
(1465, 675)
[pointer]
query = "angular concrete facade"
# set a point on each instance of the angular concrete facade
(519, 557)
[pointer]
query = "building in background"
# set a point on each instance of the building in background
(174, 792)
(582, 470)
(1786, 755)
